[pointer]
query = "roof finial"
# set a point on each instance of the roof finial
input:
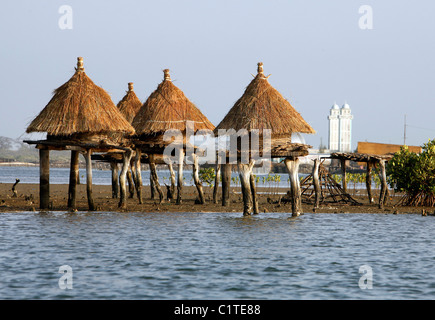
(167, 76)
(260, 67)
(130, 86)
(80, 64)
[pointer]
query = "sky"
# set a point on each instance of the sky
(317, 53)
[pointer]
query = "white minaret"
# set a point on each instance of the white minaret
(334, 128)
(345, 131)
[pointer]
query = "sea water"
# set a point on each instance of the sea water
(112, 255)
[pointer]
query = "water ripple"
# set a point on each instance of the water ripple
(215, 256)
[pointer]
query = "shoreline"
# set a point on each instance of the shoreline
(28, 200)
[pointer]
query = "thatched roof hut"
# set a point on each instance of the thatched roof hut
(168, 108)
(80, 108)
(262, 107)
(129, 104)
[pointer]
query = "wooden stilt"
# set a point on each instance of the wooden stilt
(115, 174)
(126, 157)
(180, 176)
(254, 193)
(155, 178)
(316, 183)
(343, 175)
(245, 171)
(226, 180)
(216, 182)
(152, 186)
(130, 182)
(293, 168)
(384, 186)
(88, 160)
(196, 180)
(44, 178)
(73, 174)
(138, 180)
(172, 174)
(369, 181)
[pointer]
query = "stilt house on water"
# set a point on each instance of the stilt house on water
(263, 107)
(80, 117)
(166, 109)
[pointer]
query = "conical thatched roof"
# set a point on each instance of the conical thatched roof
(130, 104)
(168, 108)
(80, 107)
(263, 107)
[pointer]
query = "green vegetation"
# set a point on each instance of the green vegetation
(414, 174)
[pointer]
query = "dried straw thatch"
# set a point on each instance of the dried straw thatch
(168, 108)
(263, 107)
(80, 107)
(130, 104)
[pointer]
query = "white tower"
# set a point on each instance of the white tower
(345, 129)
(340, 128)
(334, 128)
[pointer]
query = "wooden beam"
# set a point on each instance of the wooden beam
(44, 178)
(180, 176)
(292, 165)
(196, 180)
(384, 186)
(173, 180)
(343, 175)
(226, 180)
(254, 193)
(369, 181)
(73, 176)
(245, 171)
(122, 179)
(216, 182)
(316, 183)
(115, 176)
(153, 172)
(88, 160)
(138, 175)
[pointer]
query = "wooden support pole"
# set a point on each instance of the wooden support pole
(130, 181)
(316, 183)
(180, 176)
(369, 181)
(384, 186)
(44, 178)
(196, 180)
(126, 157)
(73, 175)
(343, 175)
(226, 180)
(88, 160)
(115, 174)
(254, 193)
(138, 170)
(152, 186)
(245, 171)
(216, 182)
(173, 181)
(293, 170)
(155, 177)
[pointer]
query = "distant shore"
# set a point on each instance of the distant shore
(18, 164)
(28, 200)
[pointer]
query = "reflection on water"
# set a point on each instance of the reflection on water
(216, 255)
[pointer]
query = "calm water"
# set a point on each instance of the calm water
(216, 256)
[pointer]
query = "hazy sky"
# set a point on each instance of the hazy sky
(315, 51)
